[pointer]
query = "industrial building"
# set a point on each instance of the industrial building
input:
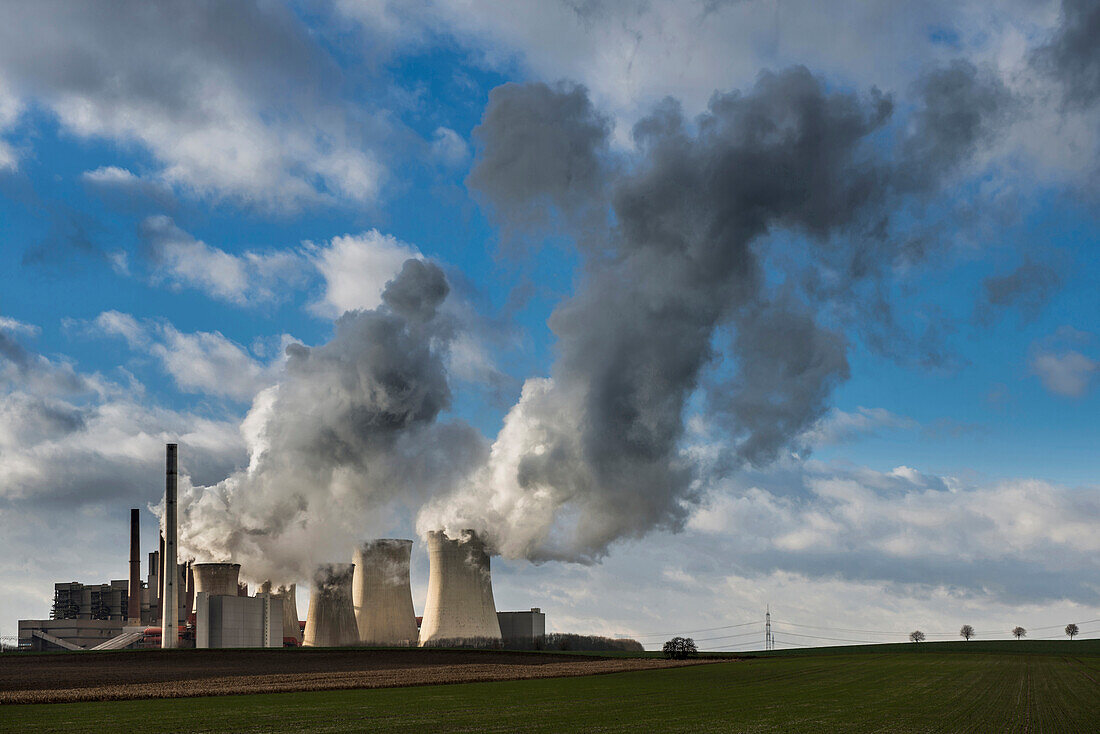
(238, 621)
(366, 602)
(73, 600)
(522, 626)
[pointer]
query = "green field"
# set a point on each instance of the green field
(945, 687)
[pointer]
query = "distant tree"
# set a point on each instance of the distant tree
(680, 648)
(1019, 632)
(1072, 631)
(967, 631)
(916, 636)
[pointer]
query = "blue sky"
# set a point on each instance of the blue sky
(177, 208)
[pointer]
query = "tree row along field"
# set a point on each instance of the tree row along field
(888, 692)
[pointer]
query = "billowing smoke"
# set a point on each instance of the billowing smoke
(681, 298)
(350, 429)
(725, 258)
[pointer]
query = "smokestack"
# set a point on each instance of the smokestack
(330, 621)
(133, 596)
(216, 579)
(381, 593)
(189, 602)
(169, 628)
(460, 591)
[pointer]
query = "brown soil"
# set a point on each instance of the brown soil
(67, 677)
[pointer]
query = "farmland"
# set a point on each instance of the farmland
(947, 687)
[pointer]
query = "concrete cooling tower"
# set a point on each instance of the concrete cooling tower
(330, 621)
(381, 593)
(290, 608)
(460, 591)
(216, 579)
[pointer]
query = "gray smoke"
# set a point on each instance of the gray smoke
(1073, 54)
(595, 452)
(350, 429)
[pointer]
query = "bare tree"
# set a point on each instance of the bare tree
(1019, 632)
(679, 648)
(1072, 631)
(916, 636)
(967, 631)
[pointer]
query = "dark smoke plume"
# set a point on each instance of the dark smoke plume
(595, 451)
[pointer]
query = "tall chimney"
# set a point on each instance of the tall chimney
(169, 628)
(133, 597)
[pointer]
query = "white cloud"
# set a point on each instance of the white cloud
(1069, 374)
(449, 148)
(199, 362)
(839, 426)
(233, 101)
(110, 175)
(356, 269)
(9, 324)
(1062, 369)
(248, 279)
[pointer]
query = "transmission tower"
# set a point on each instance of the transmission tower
(769, 641)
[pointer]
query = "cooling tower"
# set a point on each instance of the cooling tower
(460, 591)
(381, 593)
(330, 621)
(216, 579)
(290, 608)
(291, 628)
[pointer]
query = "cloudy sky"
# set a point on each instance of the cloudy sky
(688, 307)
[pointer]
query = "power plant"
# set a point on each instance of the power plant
(366, 602)
(216, 579)
(381, 593)
(460, 591)
(330, 621)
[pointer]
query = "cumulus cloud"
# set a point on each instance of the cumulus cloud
(77, 439)
(356, 269)
(232, 101)
(250, 278)
(200, 362)
(907, 528)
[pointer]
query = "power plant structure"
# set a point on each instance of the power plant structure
(170, 606)
(382, 594)
(460, 602)
(330, 621)
(366, 602)
(291, 629)
(216, 579)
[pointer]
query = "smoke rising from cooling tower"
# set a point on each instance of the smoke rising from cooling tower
(351, 427)
(675, 302)
(682, 301)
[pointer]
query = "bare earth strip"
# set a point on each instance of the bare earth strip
(334, 680)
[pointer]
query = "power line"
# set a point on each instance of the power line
(688, 632)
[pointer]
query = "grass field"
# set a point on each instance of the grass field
(946, 687)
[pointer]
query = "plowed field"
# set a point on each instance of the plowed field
(70, 677)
